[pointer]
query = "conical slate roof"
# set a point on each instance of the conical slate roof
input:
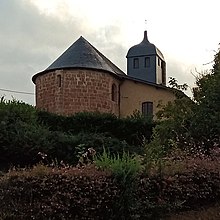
(81, 54)
(145, 48)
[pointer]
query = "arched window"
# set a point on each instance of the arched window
(114, 92)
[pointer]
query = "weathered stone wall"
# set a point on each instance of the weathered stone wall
(69, 91)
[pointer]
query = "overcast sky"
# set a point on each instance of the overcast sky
(33, 33)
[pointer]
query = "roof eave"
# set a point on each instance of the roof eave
(69, 68)
(146, 82)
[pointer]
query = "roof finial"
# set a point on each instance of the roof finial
(145, 32)
(145, 24)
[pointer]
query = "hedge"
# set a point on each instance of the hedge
(131, 129)
(84, 194)
(91, 194)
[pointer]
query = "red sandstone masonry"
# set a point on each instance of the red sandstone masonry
(81, 90)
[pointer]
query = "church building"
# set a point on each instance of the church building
(83, 79)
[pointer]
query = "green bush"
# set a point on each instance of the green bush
(100, 140)
(131, 129)
(18, 131)
(69, 148)
(20, 144)
(25, 131)
(13, 111)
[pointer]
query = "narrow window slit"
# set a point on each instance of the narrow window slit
(59, 82)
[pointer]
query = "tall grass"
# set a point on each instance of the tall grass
(125, 169)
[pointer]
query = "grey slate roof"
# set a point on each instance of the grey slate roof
(81, 54)
(144, 48)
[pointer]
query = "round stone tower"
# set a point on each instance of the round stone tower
(81, 79)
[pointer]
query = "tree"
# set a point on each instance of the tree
(207, 111)
(194, 125)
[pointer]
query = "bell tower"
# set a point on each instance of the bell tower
(146, 62)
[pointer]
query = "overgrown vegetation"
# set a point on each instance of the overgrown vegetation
(193, 125)
(125, 170)
(131, 129)
(140, 175)
(88, 193)
(25, 131)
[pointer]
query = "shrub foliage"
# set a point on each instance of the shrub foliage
(25, 131)
(88, 193)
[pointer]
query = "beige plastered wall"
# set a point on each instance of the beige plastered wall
(133, 94)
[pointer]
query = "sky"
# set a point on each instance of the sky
(33, 33)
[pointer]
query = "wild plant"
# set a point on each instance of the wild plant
(125, 170)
